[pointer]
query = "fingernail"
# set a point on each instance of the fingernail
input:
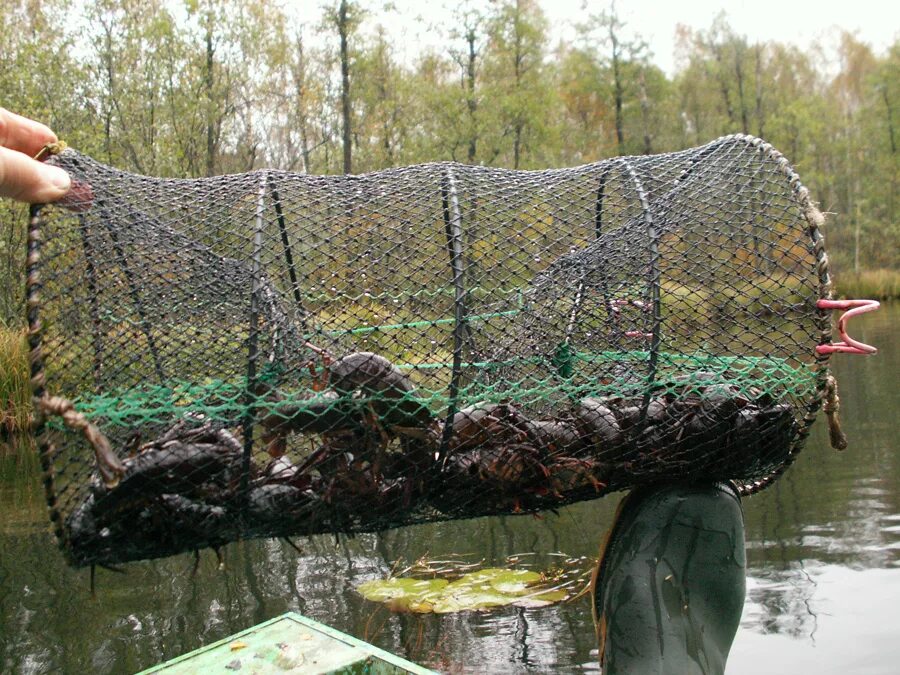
(57, 177)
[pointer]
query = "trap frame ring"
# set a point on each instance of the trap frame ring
(815, 220)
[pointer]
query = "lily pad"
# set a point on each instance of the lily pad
(481, 590)
(462, 600)
(512, 582)
(541, 598)
(381, 590)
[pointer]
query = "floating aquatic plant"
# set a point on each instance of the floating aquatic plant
(458, 586)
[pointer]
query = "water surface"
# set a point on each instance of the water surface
(823, 555)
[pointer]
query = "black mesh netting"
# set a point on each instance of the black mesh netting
(275, 354)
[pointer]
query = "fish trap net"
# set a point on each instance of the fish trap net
(276, 354)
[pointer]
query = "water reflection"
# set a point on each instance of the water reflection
(854, 629)
(823, 556)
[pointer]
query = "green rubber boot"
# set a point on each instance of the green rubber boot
(669, 588)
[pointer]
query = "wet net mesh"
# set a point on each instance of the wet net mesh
(276, 354)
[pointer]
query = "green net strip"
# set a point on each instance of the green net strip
(225, 401)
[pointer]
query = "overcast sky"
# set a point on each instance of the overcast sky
(797, 21)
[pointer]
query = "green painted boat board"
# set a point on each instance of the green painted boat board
(290, 643)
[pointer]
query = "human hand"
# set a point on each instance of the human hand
(21, 177)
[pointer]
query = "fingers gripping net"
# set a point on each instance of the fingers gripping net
(274, 354)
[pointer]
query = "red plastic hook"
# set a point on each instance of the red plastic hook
(848, 345)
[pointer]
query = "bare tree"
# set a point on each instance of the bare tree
(472, 23)
(624, 58)
(344, 24)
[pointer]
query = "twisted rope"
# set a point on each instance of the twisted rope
(110, 466)
(46, 450)
(831, 407)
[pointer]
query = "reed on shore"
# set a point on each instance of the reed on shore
(15, 388)
(879, 284)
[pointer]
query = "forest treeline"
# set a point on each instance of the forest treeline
(203, 87)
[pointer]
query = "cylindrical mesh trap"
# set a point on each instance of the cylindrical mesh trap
(275, 354)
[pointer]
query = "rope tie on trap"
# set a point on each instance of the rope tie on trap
(109, 465)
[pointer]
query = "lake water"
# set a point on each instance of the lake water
(823, 555)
